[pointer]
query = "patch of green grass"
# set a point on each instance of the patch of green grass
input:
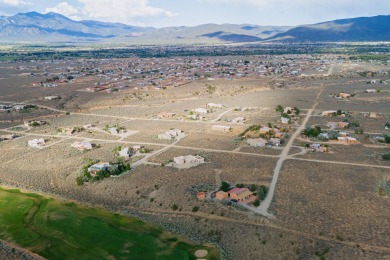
(64, 230)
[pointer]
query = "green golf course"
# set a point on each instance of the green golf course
(55, 229)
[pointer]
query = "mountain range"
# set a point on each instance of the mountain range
(53, 27)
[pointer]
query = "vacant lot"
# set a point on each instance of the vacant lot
(337, 201)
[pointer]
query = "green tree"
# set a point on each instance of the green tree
(279, 108)
(256, 203)
(225, 186)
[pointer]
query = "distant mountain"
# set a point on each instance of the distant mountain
(53, 27)
(375, 28)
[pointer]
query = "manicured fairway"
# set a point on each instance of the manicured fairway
(59, 230)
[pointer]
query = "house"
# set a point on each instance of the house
(195, 117)
(240, 194)
(349, 140)
(36, 143)
(126, 152)
(7, 137)
(82, 145)
(201, 110)
(343, 134)
(343, 95)
(189, 159)
(284, 120)
(171, 134)
(19, 107)
(343, 124)
(215, 105)
(374, 115)
(5, 107)
(259, 142)
(352, 140)
(221, 195)
(329, 113)
(138, 147)
(238, 120)
(265, 130)
(97, 167)
(278, 134)
(274, 141)
(52, 97)
(323, 136)
(221, 128)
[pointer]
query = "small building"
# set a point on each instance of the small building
(201, 195)
(19, 107)
(201, 110)
(126, 152)
(4, 107)
(240, 194)
(171, 134)
(36, 143)
(370, 91)
(343, 124)
(215, 105)
(221, 128)
(284, 120)
(315, 146)
(7, 137)
(189, 159)
(259, 142)
(329, 113)
(82, 145)
(343, 95)
(374, 115)
(265, 130)
(274, 141)
(352, 140)
(221, 195)
(238, 120)
(52, 97)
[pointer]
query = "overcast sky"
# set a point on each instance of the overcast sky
(161, 13)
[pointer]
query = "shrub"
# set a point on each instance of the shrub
(174, 207)
(256, 203)
(386, 156)
(195, 209)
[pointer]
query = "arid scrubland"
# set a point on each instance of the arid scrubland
(325, 204)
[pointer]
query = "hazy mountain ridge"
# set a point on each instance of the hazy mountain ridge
(54, 27)
(375, 28)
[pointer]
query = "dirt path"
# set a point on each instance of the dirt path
(264, 206)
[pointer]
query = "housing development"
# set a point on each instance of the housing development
(290, 151)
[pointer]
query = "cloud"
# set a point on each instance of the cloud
(121, 10)
(17, 3)
(66, 9)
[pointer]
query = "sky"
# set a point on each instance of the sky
(164, 13)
